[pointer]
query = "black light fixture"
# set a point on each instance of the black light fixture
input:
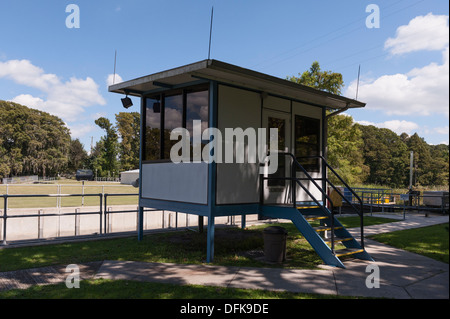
(156, 107)
(126, 102)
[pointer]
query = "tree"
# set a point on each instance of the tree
(322, 80)
(387, 156)
(344, 138)
(430, 162)
(128, 127)
(344, 150)
(109, 149)
(77, 156)
(32, 142)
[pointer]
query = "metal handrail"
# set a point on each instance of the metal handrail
(296, 180)
(359, 212)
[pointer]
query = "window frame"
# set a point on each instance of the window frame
(161, 97)
(315, 166)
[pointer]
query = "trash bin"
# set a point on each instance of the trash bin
(275, 244)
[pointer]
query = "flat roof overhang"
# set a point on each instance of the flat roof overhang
(230, 74)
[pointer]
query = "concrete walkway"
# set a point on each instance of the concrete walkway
(403, 275)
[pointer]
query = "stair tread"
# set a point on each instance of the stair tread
(323, 228)
(348, 251)
(307, 207)
(312, 217)
(338, 239)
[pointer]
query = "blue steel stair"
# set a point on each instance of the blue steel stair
(301, 217)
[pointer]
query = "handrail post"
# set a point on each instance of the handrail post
(362, 225)
(293, 185)
(5, 216)
(105, 213)
(332, 227)
(101, 212)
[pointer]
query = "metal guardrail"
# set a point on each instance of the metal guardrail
(102, 212)
(386, 199)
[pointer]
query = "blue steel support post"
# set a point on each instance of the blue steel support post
(324, 152)
(211, 175)
(210, 240)
(141, 137)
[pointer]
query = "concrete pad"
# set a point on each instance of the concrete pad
(435, 287)
(15, 280)
(167, 273)
(293, 280)
(403, 275)
(355, 281)
(45, 275)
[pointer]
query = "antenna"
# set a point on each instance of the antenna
(357, 83)
(115, 58)
(210, 32)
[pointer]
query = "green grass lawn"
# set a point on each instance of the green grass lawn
(431, 241)
(233, 246)
(124, 289)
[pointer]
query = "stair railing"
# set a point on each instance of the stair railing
(297, 181)
(294, 180)
(360, 211)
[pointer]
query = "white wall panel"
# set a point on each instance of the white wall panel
(238, 183)
(183, 182)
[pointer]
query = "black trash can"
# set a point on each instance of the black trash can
(275, 244)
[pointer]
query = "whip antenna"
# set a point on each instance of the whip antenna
(210, 31)
(357, 83)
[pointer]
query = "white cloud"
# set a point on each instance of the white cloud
(113, 79)
(81, 130)
(397, 126)
(441, 130)
(65, 99)
(421, 91)
(428, 32)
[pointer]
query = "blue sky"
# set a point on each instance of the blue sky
(65, 71)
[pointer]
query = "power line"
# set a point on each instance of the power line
(332, 39)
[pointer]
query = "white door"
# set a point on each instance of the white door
(278, 190)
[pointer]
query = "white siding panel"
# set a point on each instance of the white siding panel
(238, 183)
(183, 182)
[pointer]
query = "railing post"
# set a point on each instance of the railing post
(5, 217)
(105, 213)
(332, 228)
(293, 185)
(101, 212)
(362, 225)
(40, 224)
(77, 222)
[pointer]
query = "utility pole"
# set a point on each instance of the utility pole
(411, 169)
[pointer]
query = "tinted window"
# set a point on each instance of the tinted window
(307, 142)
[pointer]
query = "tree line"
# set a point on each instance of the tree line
(365, 154)
(33, 142)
